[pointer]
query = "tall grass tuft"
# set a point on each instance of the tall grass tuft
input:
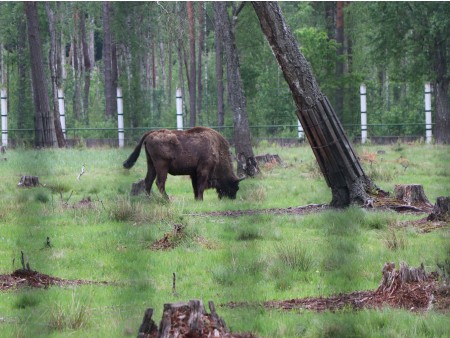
(74, 316)
(395, 240)
(141, 211)
(295, 256)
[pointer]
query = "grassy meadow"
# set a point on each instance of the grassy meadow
(241, 259)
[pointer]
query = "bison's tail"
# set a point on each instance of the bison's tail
(131, 160)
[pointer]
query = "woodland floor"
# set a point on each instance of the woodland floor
(417, 296)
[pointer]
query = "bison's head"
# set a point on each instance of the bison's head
(228, 188)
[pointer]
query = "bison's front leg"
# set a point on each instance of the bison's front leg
(195, 187)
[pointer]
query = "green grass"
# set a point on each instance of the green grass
(250, 258)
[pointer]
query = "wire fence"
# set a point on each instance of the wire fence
(280, 134)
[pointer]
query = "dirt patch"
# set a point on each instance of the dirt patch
(302, 210)
(29, 278)
(420, 296)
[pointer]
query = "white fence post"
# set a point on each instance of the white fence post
(300, 130)
(428, 125)
(179, 101)
(362, 92)
(62, 116)
(120, 118)
(4, 111)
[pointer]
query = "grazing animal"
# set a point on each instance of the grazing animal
(202, 153)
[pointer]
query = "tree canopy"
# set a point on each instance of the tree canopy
(151, 49)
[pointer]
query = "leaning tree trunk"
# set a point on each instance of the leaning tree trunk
(44, 125)
(333, 151)
(246, 159)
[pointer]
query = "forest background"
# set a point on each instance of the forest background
(150, 49)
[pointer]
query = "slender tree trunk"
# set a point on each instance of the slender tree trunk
(53, 64)
(44, 123)
(218, 39)
(246, 159)
(334, 153)
(442, 125)
(201, 39)
(339, 63)
(170, 75)
(192, 66)
(114, 76)
(107, 62)
(23, 79)
(87, 67)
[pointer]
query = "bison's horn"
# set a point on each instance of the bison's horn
(241, 178)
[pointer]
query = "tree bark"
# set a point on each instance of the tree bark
(53, 64)
(107, 61)
(192, 66)
(218, 39)
(201, 41)
(247, 164)
(334, 153)
(44, 123)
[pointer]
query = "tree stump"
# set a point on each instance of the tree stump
(186, 320)
(138, 188)
(441, 210)
(28, 181)
(393, 279)
(411, 194)
(268, 158)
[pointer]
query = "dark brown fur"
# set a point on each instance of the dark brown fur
(200, 152)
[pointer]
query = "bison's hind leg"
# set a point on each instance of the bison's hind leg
(151, 174)
(161, 183)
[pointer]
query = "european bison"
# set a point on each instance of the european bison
(200, 152)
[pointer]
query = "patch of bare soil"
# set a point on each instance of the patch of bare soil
(415, 296)
(302, 210)
(30, 278)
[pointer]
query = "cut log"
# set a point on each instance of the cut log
(411, 194)
(138, 188)
(28, 181)
(186, 320)
(441, 210)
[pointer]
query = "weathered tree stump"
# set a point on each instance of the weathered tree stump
(393, 279)
(186, 320)
(411, 194)
(138, 188)
(28, 181)
(441, 210)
